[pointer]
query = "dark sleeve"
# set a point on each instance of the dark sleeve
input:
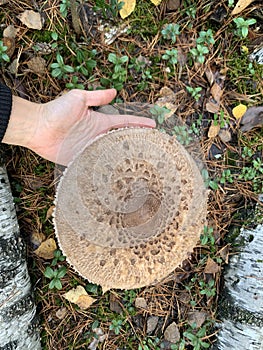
(5, 109)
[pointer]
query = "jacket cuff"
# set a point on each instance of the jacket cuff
(5, 109)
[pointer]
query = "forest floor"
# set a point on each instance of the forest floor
(192, 57)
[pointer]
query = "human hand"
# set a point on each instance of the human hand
(65, 125)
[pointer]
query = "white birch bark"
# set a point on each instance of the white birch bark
(18, 323)
(241, 308)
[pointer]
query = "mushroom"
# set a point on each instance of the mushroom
(130, 208)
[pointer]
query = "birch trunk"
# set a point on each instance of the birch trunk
(241, 309)
(18, 324)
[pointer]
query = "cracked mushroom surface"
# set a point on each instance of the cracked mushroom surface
(130, 208)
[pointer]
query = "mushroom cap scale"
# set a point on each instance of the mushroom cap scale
(130, 208)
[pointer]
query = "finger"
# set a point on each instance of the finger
(98, 97)
(122, 121)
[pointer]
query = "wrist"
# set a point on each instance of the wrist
(23, 122)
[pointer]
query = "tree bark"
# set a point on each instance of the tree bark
(241, 307)
(18, 322)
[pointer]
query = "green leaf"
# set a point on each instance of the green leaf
(52, 284)
(57, 283)
(61, 272)
(56, 73)
(68, 69)
(54, 36)
(49, 272)
(60, 60)
(112, 58)
(244, 31)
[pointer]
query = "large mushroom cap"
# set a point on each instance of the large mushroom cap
(130, 208)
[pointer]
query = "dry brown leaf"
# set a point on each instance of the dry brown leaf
(213, 130)
(50, 212)
(239, 111)
(127, 8)
(37, 65)
(2, 2)
(61, 313)
(240, 6)
(225, 135)
(37, 238)
(173, 5)
(224, 253)
(211, 267)
(10, 32)
(197, 318)
(212, 107)
(252, 118)
(31, 19)
(10, 43)
(216, 92)
(46, 249)
(80, 297)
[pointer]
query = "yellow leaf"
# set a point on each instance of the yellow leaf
(156, 2)
(239, 111)
(46, 249)
(244, 49)
(80, 297)
(240, 6)
(127, 8)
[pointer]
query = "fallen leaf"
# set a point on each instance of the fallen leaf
(240, 6)
(37, 65)
(37, 238)
(80, 297)
(156, 2)
(212, 106)
(141, 303)
(115, 304)
(213, 130)
(10, 43)
(10, 32)
(31, 19)
(46, 249)
(216, 92)
(173, 5)
(61, 313)
(252, 118)
(225, 135)
(127, 8)
(239, 111)
(2, 2)
(211, 267)
(197, 318)
(224, 253)
(50, 212)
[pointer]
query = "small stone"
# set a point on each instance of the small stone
(37, 65)
(172, 333)
(225, 135)
(141, 303)
(152, 322)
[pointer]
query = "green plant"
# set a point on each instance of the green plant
(212, 183)
(116, 325)
(226, 176)
(190, 8)
(55, 275)
(220, 119)
(60, 69)
(170, 31)
(109, 8)
(171, 56)
(58, 257)
(242, 26)
(3, 54)
(119, 71)
(206, 37)
(179, 346)
(230, 3)
(183, 134)
(196, 337)
(194, 92)
(159, 113)
(207, 237)
(149, 343)
(199, 53)
(74, 84)
(64, 7)
(207, 288)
